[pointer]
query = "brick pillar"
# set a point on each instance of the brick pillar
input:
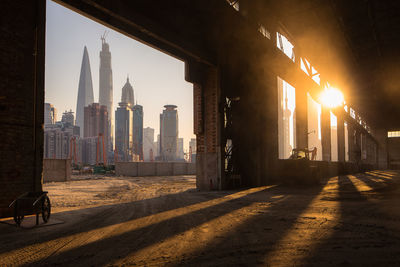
(326, 134)
(21, 98)
(207, 124)
(340, 136)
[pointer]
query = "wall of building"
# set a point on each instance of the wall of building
(154, 168)
(56, 170)
(21, 98)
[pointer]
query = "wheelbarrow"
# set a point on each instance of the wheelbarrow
(31, 203)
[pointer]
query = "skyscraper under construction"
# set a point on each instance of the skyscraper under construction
(106, 88)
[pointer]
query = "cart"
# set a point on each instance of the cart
(31, 203)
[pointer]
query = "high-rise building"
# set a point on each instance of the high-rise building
(85, 91)
(123, 132)
(169, 133)
(137, 135)
(106, 87)
(50, 114)
(149, 146)
(127, 94)
(192, 150)
(96, 125)
(68, 118)
(181, 153)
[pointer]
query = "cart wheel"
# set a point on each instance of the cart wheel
(46, 209)
(17, 217)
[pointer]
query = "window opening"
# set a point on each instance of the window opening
(286, 118)
(314, 126)
(285, 46)
(264, 31)
(334, 143)
(346, 142)
(234, 4)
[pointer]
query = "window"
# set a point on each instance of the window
(393, 134)
(310, 70)
(234, 4)
(286, 118)
(283, 44)
(264, 31)
(352, 113)
(346, 108)
(334, 139)
(314, 126)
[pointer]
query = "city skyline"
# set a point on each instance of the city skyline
(157, 78)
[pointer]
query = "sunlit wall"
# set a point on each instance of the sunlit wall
(286, 118)
(314, 126)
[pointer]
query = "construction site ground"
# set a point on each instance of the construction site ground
(351, 220)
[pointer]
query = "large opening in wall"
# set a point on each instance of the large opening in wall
(314, 126)
(334, 138)
(114, 107)
(286, 118)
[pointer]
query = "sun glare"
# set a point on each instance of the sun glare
(331, 97)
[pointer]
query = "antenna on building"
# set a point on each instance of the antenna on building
(103, 37)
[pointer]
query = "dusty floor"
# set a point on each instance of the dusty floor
(153, 221)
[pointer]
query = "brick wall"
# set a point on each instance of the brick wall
(21, 98)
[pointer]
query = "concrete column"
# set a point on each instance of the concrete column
(301, 119)
(340, 135)
(382, 153)
(326, 134)
(207, 124)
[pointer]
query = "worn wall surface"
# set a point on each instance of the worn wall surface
(22, 30)
(56, 170)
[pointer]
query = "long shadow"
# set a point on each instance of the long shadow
(109, 213)
(355, 240)
(137, 239)
(257, 237)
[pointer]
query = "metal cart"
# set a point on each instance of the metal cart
(31, 203)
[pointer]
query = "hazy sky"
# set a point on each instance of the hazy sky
(157, 78)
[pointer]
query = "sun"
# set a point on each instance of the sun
(331, 97)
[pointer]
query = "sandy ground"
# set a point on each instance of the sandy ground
(349, 220)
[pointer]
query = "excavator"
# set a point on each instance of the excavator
(301, 167)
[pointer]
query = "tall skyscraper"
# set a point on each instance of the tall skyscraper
(85, 91)
(138, 131)
(106, 87)
(50, 114)
(169, 133)
(127, 94)
(123, 132)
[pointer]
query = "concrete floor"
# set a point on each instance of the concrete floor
(349, 220)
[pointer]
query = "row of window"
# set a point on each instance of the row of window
(394, 134)
(288, 49)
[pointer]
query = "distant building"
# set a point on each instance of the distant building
(181, 153)
(169, 133)
(50, 114)
(68, 118)
(192, 148)
(96, 124)
(85, 91)
(123, 132)
(137, 135)
(106, 88)
(127, 95)
(149, 146)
